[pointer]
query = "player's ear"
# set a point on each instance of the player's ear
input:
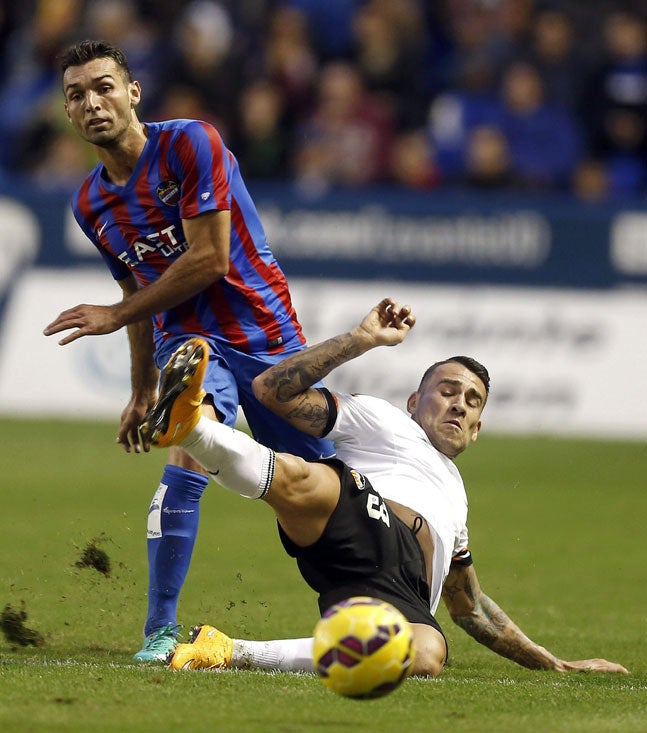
(412, 403)
(135, 93)
(475, 432)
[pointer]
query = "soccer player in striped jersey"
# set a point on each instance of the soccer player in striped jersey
(169, 212)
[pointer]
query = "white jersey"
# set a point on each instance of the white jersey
(393, 451)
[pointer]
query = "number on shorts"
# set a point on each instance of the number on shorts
(377, 509)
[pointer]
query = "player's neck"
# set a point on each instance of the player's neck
(121, 158)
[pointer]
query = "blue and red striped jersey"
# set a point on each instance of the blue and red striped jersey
(184, 170)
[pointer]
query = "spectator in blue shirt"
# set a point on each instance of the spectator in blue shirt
(544, 139)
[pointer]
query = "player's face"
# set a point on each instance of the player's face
(448, 407)
(99, 101)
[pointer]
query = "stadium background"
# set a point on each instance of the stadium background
(483, 160)
(541, 275)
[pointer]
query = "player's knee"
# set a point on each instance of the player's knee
(431, 651)
(179, 457)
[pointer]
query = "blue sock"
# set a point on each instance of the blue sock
(172, 529)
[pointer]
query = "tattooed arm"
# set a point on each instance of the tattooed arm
(286, 387)
(483, 620)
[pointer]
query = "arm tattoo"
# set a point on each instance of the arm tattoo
(495, 630)
(483, 620)
(295, 374)
(306, 411)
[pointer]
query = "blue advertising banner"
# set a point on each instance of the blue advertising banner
(386, 233)
(497, 239)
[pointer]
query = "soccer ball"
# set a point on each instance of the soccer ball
(363, 648)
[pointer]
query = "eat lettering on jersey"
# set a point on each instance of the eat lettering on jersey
(163, 242)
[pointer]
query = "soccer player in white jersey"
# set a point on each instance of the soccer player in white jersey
(412, 488)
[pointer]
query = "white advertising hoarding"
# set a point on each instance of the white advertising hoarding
(561, 361)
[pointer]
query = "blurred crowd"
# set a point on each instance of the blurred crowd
(426, 94)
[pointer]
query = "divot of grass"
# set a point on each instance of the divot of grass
(12, 623)
(94, 557)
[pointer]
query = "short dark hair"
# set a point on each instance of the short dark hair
(467, 361)
(84, 51)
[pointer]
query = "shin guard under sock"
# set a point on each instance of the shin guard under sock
(172, 529)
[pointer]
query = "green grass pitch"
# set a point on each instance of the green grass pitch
(557, 533)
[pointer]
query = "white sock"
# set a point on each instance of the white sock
(283, 655)
(234, 460)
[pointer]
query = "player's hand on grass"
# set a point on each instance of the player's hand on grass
(591, 665)
(88, 320)
(388, 323)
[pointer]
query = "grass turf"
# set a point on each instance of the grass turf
(556, 530)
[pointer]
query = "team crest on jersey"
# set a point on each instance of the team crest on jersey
(359, 479)
(168, 192)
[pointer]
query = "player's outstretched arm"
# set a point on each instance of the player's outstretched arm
(285, 388)
(204, 262)
(483, 620)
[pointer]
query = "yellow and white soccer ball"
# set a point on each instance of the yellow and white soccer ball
(363, 648)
